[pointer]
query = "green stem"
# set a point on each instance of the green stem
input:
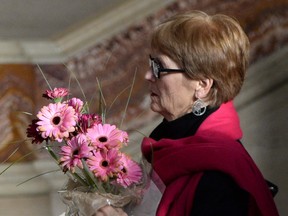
(51, 152)
(91, 178)
(80, 179)
(129, 97)
(20, 159)
(41, 174)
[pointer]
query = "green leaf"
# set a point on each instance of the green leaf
(57, 170)
(95, 183)
(20, 159)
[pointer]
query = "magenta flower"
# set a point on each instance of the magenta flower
(95, 120)
(77, 104)
(130, 173)
(56, 121)
(77, 148)
(88, 120)
(56, 93)
(104, 164)
(33, 133)
(105, 136)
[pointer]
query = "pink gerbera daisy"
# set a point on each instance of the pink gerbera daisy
(130, 173)
(125, 138)
(77, 148)
(104, 163)
(56, 93)
(105, 136)
(77, 104)
(56, 121)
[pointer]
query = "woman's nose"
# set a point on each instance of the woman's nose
(149, 75)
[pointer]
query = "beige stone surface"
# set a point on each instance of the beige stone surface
(25, 206)
(262, 106)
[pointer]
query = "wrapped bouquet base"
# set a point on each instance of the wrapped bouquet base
(81, 203)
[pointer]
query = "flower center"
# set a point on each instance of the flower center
(75, 152)
(56, 120)
(103, 139)
(104, 163)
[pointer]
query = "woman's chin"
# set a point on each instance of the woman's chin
(155, 108)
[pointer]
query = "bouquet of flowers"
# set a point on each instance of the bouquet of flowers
(88, 150)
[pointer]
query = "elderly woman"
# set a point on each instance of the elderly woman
(198, 64)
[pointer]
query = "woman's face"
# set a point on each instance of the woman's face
(173, 94)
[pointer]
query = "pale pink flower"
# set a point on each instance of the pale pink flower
(56, 93)
(125, 138)
(130, 173)
(104, 164)
(105, 136)
(56, 121)
(77, 104)
(77, 148)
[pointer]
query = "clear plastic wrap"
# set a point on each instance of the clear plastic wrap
(80, 201)
(138, 200)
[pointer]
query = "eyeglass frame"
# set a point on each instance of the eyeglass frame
(159, 67)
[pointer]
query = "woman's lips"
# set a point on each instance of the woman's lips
(152, 92)
(153, 96)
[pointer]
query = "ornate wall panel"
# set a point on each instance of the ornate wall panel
(115, 60)
(16, 96)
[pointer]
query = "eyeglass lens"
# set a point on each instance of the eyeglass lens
(154, 67)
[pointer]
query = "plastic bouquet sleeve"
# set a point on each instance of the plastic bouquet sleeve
(80, 201)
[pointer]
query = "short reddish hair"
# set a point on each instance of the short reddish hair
(206, 46)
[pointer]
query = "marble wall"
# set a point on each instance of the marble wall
(115, 61)
(15, 98)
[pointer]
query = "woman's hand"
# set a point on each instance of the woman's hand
(110, 211)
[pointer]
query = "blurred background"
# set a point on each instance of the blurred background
(69, 42)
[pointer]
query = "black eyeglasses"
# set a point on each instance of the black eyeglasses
(157, 67)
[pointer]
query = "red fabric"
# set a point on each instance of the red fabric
(180, 164)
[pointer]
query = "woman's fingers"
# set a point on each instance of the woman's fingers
(110, 211)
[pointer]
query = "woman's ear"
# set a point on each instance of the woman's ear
(203, 88)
